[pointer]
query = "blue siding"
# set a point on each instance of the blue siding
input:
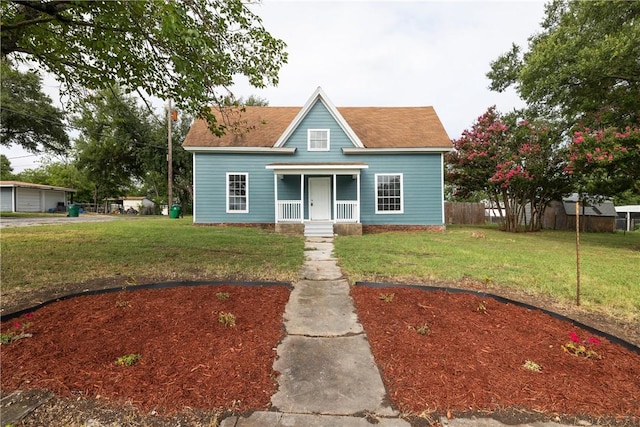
(422, 189)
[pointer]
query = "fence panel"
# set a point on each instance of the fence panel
(464, 213)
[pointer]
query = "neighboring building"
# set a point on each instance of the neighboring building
(321, 169)
(143, 205)
(598, 217)
(17, 196)
(628, 217)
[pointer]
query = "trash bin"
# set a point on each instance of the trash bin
(74, 210)
(175, 211)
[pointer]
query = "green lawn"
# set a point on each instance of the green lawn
(163, 249)
(153, 247)
(543, 262)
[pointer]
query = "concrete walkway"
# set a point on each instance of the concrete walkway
(327, 373)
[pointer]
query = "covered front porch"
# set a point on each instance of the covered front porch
(315, 194)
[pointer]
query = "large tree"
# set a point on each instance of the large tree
(27, 116)
(516, 162)
(114, 134)
(188, 51)
(583, 66)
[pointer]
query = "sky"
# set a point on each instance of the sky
(386, 54)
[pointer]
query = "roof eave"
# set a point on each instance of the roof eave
(243, 150)
(397, 150)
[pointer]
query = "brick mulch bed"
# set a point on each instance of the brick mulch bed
(472, 357)
(188, 358)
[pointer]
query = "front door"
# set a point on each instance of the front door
(319, 199)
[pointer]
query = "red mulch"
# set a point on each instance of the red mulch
(469, 361)
(472, 359)
(189, 359)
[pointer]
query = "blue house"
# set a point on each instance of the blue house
(319, 169)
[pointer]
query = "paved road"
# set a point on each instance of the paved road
(6, 222)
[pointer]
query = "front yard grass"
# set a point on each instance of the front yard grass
(539, 263)
(154, 247)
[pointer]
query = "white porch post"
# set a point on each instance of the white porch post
(302, 198)
(275, 192)
(335, 202)
(358, 195)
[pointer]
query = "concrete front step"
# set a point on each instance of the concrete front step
(318, 229)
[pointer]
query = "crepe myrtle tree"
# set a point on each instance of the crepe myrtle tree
(187, 51)
(605, 161)
(514, 161)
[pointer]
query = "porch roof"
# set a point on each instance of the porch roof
(348, 168)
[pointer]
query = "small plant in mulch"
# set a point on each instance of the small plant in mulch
(578, 347)
(421, 329)
(128, 359)
(227, 319)
(530, 365)
(122, 302)
(387, 297)
(222, 295)
(17, 331)
(482, 308)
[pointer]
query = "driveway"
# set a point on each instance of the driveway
(6, 222)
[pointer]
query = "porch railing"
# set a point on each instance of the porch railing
(289, 211)
(347, 211)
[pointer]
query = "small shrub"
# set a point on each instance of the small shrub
(387, 297)
(222, 295)
(422, 329)
(128, 359)
(482, 308)
(227, 319)
(532, 366)
(577, 348)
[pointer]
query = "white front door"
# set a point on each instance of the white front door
(319, 199)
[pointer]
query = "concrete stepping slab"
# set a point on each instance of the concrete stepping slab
(18, 404)
(320, 270)
(335, 376)
(276, 419)
(321, 308)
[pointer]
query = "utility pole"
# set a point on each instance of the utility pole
(169, 159)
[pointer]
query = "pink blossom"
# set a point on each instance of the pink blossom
(594, 341)
(574, 337)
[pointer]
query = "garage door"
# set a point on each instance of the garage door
(6, 199)
(28, 200)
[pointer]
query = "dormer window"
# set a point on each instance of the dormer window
(318, 139)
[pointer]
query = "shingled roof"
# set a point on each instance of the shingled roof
(377, 127)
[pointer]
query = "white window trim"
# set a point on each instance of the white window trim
(227, 195)
(309, 139)
(375, 198)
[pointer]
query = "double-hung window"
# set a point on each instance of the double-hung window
(318, 139)
(389, 196)
(237, 192)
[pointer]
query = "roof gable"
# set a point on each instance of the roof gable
(319, 96)
(366, 127)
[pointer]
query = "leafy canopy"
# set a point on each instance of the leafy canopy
(188, 51)
(584, 65)
(512, 160)
(27, 116)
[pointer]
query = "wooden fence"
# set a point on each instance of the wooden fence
(464, 213)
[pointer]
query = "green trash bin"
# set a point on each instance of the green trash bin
(175, 211)
(74, 210)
